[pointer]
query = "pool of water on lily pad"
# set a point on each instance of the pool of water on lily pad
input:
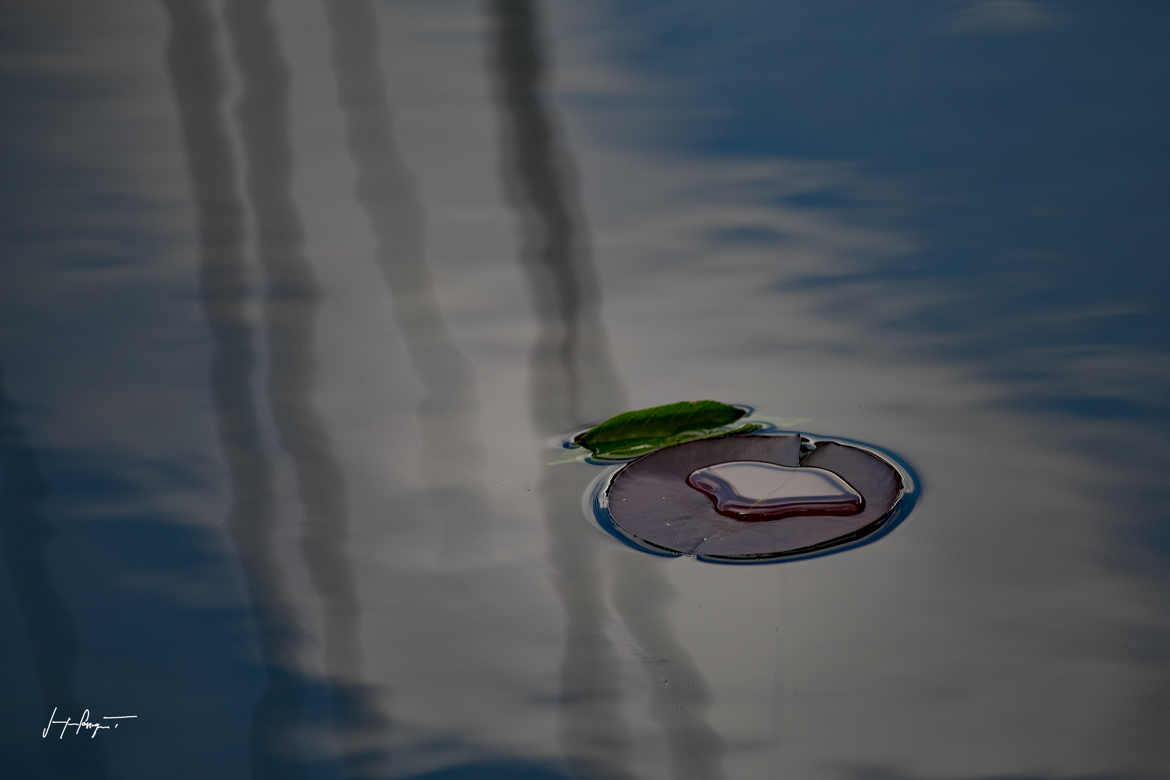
(301, 300)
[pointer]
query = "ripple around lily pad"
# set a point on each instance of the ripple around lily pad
(650, 501)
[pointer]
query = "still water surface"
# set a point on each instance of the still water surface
(300, 299)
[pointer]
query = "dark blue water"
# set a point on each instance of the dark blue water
(299, 301)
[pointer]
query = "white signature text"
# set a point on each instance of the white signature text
(83, 723)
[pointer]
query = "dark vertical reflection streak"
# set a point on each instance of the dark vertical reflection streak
(198, 83)
(539, 186)
(386, 191)
(571, 350)
(25, 533)
(291, 306)
(679, 697)
(573, 382)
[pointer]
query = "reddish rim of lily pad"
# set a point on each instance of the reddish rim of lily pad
(650, 501)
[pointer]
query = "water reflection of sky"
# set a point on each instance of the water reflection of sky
(936, 227)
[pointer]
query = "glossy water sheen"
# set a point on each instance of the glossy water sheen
(295, 295)
(752, 490)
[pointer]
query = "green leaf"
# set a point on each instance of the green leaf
(635, 433)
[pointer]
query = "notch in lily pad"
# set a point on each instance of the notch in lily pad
(635, 433)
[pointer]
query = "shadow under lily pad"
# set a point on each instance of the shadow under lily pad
(650, 501)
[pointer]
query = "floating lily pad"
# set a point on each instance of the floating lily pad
(651, 502)
(642, 431)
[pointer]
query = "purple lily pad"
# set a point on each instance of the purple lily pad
(650, 501)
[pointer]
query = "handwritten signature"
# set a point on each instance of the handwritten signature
(83, 723)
